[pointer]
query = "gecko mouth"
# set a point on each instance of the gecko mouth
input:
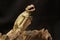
(31, 8)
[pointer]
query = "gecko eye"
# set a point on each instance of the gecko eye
(49, 38)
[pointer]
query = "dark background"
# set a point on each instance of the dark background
(45, 16)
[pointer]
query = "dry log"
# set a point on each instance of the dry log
(30, 35)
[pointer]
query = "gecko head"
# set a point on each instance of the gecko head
(30, 8)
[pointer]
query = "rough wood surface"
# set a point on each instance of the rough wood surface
(30, 35)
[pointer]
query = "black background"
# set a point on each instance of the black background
(45, 16)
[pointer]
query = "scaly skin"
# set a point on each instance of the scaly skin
(22, 22)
